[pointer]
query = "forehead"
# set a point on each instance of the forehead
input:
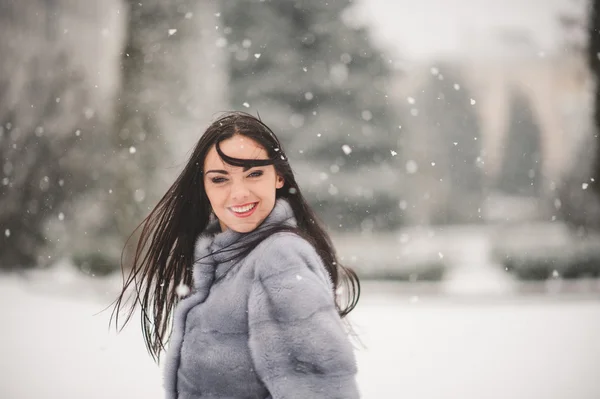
(238, 146)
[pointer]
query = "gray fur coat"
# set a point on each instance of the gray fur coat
(268, 328)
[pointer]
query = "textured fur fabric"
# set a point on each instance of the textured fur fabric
(265, 328)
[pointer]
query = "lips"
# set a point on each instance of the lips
(244, 210)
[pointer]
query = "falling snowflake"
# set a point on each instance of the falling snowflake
(172, 32)
(394, 153)
(132, 150)
(182, 290)
(411, 167)
(557, 203)
(472, 102)
(246, 105)
(257, 55)
(346, 148)
(221, 42)
(584, 186)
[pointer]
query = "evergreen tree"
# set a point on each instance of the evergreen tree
(521, 171)
(579, 202)
(321, 84)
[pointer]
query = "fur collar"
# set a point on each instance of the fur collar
(210, 263)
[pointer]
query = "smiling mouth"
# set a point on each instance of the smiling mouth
(244, 211)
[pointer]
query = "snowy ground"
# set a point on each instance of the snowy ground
(470, 347)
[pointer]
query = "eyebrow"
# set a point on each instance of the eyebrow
(224, 172)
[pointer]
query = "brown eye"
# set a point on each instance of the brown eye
(256, 173)
(218, 180)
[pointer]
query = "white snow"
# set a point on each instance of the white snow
(56, 344)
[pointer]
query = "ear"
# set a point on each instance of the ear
(279, 182)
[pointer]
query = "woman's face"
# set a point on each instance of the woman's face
(240, 199)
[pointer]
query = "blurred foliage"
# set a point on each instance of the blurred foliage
(442, 143)
(321, 84)
(521, 171)
(593, 49)
(580, 206)
(95, 264)
(53, 130)
(557, 252)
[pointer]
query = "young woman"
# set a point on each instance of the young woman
(261, 318)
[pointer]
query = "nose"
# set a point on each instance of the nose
(239, 193)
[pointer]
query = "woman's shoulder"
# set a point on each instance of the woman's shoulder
(287, 252)
(283, 245)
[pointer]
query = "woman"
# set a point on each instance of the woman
(261, 319)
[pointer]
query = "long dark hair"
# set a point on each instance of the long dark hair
(164, 254)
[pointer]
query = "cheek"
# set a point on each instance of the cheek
(212, 193)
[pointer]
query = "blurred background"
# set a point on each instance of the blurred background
(451, 147)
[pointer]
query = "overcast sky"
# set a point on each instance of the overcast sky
(418, 29)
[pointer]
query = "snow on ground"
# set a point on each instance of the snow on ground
(55, 345)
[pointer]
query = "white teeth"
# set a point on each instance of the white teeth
(243, 209)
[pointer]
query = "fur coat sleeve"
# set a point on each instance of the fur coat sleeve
(298, 344)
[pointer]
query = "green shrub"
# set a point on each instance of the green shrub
(95, 264)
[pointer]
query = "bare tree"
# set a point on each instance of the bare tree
(52, 114)
(172, 83)
(594, 61)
